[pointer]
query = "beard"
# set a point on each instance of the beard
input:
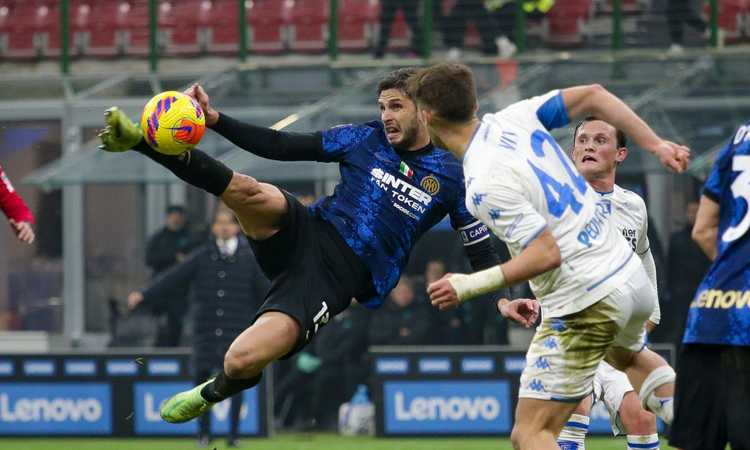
(409, 133)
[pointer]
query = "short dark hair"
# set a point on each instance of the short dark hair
(398, 79)
(448, 89)
(622, 140)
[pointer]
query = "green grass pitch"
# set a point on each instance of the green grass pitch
(290, 442)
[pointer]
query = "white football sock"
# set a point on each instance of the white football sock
(573, 435)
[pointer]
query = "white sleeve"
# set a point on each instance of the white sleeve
(548, 109)
(505, 210)
(643, 245)
(648, 263)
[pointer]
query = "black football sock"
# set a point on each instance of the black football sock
(223, 387)
(194, 167)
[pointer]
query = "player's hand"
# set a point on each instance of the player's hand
(442, 294)
(23, 231)
(196, 91)
(524, 311)
(120, 134)
(134, 299)
(673, 156)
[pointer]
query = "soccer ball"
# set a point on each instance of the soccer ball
(172, 123)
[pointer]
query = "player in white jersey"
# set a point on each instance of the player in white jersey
(597, 151)
(595, 295)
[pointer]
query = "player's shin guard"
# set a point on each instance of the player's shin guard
(663, 407)
(643, 442)
(194, 167)
(573, 435)
(223, 387)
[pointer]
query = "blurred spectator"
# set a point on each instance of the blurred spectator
(681, 12)
(505, 12)
(165, 248)
(456, 22)
(388, 11)
(687, 265)
(450, 324)
(401, 320)
(227, 288)
(15, 209)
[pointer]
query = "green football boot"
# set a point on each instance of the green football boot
(186, 405)
(120, 134)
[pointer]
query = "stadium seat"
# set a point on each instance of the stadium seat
(102, 28)
(47, 28)
(31, 28)
(308, 27)
(357, 21)
(80, 26)
(628, 6)
(267, 25)
(731, 16)
(565, 23)
(222, 27)
(133, 26)
(5, 14)
(181, 20)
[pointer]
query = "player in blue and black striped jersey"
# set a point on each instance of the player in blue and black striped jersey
(712, 400)
(352, 244)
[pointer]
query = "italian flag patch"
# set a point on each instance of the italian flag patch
(405, 170)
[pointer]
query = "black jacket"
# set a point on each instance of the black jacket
(161, 254)
(226, 293)
(388, 320)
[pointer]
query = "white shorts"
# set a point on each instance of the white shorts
(610, 387)
(566, 351)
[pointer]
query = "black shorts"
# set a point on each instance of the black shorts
(712, 398)
(314, 274)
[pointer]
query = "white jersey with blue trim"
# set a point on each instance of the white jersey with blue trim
(520, 182)
(630, 217)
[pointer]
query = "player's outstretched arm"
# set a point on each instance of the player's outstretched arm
(706, 228)
(540, 255)
(261, 141)
(594, 100)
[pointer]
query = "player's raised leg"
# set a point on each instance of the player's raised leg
(261, 209)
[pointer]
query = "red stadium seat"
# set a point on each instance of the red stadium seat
(308, 28)
(357, 20)
(730, 18)
(565, 22)
(180, 23)
(133, 26)
(80, 26)
(5, 29)
(25, 30)
(628, 6)
(223, 27)
(267, 25)
(103, 28)
(47, 27)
